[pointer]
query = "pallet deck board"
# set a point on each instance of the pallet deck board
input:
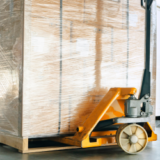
(46, 149)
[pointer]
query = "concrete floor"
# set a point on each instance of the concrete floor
(151, 152)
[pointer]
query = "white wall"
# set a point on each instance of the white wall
(158, 61)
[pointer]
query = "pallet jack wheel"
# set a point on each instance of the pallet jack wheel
(132, 138)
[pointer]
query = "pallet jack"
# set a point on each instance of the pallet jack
(130, 128)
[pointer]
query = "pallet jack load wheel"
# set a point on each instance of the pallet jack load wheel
(132, 138)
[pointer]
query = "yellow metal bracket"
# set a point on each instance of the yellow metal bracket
(85, 133)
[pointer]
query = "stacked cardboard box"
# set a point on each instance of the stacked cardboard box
(73, 53)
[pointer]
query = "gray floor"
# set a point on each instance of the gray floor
(152, 152)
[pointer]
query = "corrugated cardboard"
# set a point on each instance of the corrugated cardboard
(73, 53)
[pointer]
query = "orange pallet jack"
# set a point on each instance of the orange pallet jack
(120, 117)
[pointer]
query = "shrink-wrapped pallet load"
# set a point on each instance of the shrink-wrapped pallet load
(59, 59)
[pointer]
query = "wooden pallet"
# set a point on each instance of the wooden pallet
(22, 144)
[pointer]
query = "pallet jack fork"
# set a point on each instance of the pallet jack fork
(120, 117)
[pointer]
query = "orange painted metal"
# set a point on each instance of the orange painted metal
(152, 136)
(111, 106)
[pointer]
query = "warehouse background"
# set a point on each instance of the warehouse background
(158, 61)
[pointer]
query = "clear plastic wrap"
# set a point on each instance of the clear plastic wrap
(11, 22)
(74, 52)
